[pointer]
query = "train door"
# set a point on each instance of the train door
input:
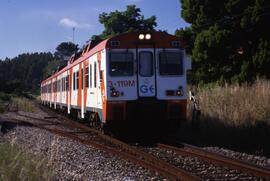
(95, 83)
(146, 73)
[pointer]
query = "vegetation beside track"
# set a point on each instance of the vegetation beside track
(14, 101)
(236, 105)
(17, 165)
(232, 116)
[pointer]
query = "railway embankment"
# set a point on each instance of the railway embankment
(69, 159)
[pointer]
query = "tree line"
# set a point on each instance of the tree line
(227, 40)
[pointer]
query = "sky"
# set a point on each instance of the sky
(28, 26)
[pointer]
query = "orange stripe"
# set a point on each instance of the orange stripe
(66, 90)
(79, 98)
(102, 88)
(70, 84)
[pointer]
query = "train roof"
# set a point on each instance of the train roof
(157, 39)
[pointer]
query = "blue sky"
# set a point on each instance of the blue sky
(40, 25)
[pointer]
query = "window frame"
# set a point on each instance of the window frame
(91, 76)
(87, 76)
(152, 61)
(95, 74)
(181, 63)
(74, 84)
(133, 62)
(77, 80)
(67, 83)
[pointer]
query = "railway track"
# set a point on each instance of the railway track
(218, 159)
(91, 137)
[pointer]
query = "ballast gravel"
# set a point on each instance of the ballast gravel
(257, 160)
(201, 168)
(73, 161)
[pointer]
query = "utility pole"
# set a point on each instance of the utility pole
(73, 32)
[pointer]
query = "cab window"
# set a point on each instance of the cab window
(170, 63)
(146, 64)
(121, 64)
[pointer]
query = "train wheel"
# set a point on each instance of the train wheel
(94, 120)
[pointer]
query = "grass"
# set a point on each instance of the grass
(14, 101)
(23, 104)
(4, 98)
(232, 116)
(17, 165)
(236, 105)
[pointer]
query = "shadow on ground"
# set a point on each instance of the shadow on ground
(6, 126)
(253, 139)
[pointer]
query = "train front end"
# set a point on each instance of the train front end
(146, 79)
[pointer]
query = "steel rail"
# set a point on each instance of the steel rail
(125, 151)
(189, 150)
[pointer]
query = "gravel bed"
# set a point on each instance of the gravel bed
(257, 160)
(199, 167)
(73, 161)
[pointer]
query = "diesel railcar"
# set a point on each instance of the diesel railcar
(137, 77)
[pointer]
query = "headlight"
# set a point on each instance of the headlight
(141, 36)
(148, 36)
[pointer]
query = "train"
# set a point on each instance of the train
(134, 78)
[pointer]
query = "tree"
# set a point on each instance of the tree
(228, 40)
(24, 72)
(124, 21)
(65, 49)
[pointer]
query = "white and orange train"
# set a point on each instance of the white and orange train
(130, 77)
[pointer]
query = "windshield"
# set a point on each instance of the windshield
(121, 64)
(170, 63)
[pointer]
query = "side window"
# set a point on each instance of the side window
(77, 80)
(73, 80)
(146, 68)
(91, 76)
(62, 87)
(95, 74)
(87, 77)
(67, 82)
(63, 84)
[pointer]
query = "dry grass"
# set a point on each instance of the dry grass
(16, 165)
(13, 101)
(236, 105)
(23, 104)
